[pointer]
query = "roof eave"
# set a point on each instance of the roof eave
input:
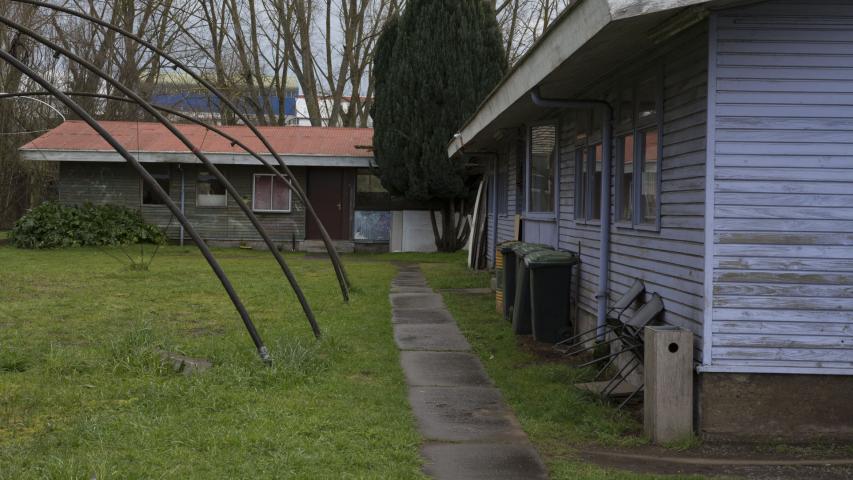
(105, 156)
(570, 31)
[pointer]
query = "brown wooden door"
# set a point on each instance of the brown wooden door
(329, 190)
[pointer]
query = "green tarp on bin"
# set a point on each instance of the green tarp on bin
(521, 303)
(507, 277)
(550, 287)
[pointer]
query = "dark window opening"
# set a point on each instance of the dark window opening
(163, 177)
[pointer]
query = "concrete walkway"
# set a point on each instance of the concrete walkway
(469, 433)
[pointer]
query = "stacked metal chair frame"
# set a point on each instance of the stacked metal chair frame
(627, 330)
(575, 344)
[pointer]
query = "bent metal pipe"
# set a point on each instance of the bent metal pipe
(188, 118)
(203, 158)
(340, 272)
(158, 190)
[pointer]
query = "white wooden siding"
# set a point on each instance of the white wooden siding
(783, 188)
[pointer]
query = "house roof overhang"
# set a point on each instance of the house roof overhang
(584, 44)
(101, 156)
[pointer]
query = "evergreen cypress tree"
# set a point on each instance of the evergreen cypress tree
(433, 66)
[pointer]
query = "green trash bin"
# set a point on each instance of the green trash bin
(506, 278)
(521, 303)
(550, 287)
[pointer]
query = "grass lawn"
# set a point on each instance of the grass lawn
(83, 393)
(558, 418)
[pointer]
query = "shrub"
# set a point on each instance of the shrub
(52, 226)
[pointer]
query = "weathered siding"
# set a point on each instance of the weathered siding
(117, 183)
(669, 261)
(783, 172)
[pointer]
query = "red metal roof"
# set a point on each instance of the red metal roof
(154, 137)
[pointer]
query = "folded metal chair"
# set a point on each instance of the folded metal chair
(574, 345)
(632, 338)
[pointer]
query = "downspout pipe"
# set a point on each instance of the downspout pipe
(606, 162)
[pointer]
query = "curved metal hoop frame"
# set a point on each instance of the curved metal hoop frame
(158, 190)
(136, 99)
(343, 280)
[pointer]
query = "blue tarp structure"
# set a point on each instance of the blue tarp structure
(206, 103)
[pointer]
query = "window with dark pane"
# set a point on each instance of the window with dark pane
(502, 188)
(210, 192)
(625, 180)
(581, 182)
(543, 148)
(596, 153)
(270, 194)
(625, 114)
(649, 185)
(162, 175)
(647, 101)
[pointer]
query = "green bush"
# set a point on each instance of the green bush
(53, 226)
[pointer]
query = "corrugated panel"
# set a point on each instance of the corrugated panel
(783, 215)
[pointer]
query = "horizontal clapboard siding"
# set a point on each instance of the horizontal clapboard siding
(670, 261)
(115, 183)
(783, 187)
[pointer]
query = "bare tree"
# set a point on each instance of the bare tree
(21, 120)
(524, 21)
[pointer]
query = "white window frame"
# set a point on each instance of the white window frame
(272, 184)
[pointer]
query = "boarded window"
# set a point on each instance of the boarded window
(270, 194)
(543, 149)
(163, 177)
(210, 192)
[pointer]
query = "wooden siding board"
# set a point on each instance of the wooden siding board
(117, 183)
(783, 211)
(670, 260)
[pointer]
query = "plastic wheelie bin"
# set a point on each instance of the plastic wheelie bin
(506, 277)
(550, 287)
(521, 303)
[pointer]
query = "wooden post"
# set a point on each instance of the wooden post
(668, 393)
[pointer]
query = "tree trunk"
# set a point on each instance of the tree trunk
(454, 226)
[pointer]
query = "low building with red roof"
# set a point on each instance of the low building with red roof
(332, 164)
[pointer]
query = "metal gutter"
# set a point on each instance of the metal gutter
(606, 161)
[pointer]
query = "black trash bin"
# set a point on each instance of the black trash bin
(550, 287)
(506, 277)
(521, 303)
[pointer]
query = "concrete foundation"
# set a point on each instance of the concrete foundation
(775, 407)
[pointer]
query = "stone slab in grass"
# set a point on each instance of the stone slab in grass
(410, 283)
(410, 289)
(417, 301)
(435, 337)
(433, 315)
(477, 461)
(443, 369)
(464, 414)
